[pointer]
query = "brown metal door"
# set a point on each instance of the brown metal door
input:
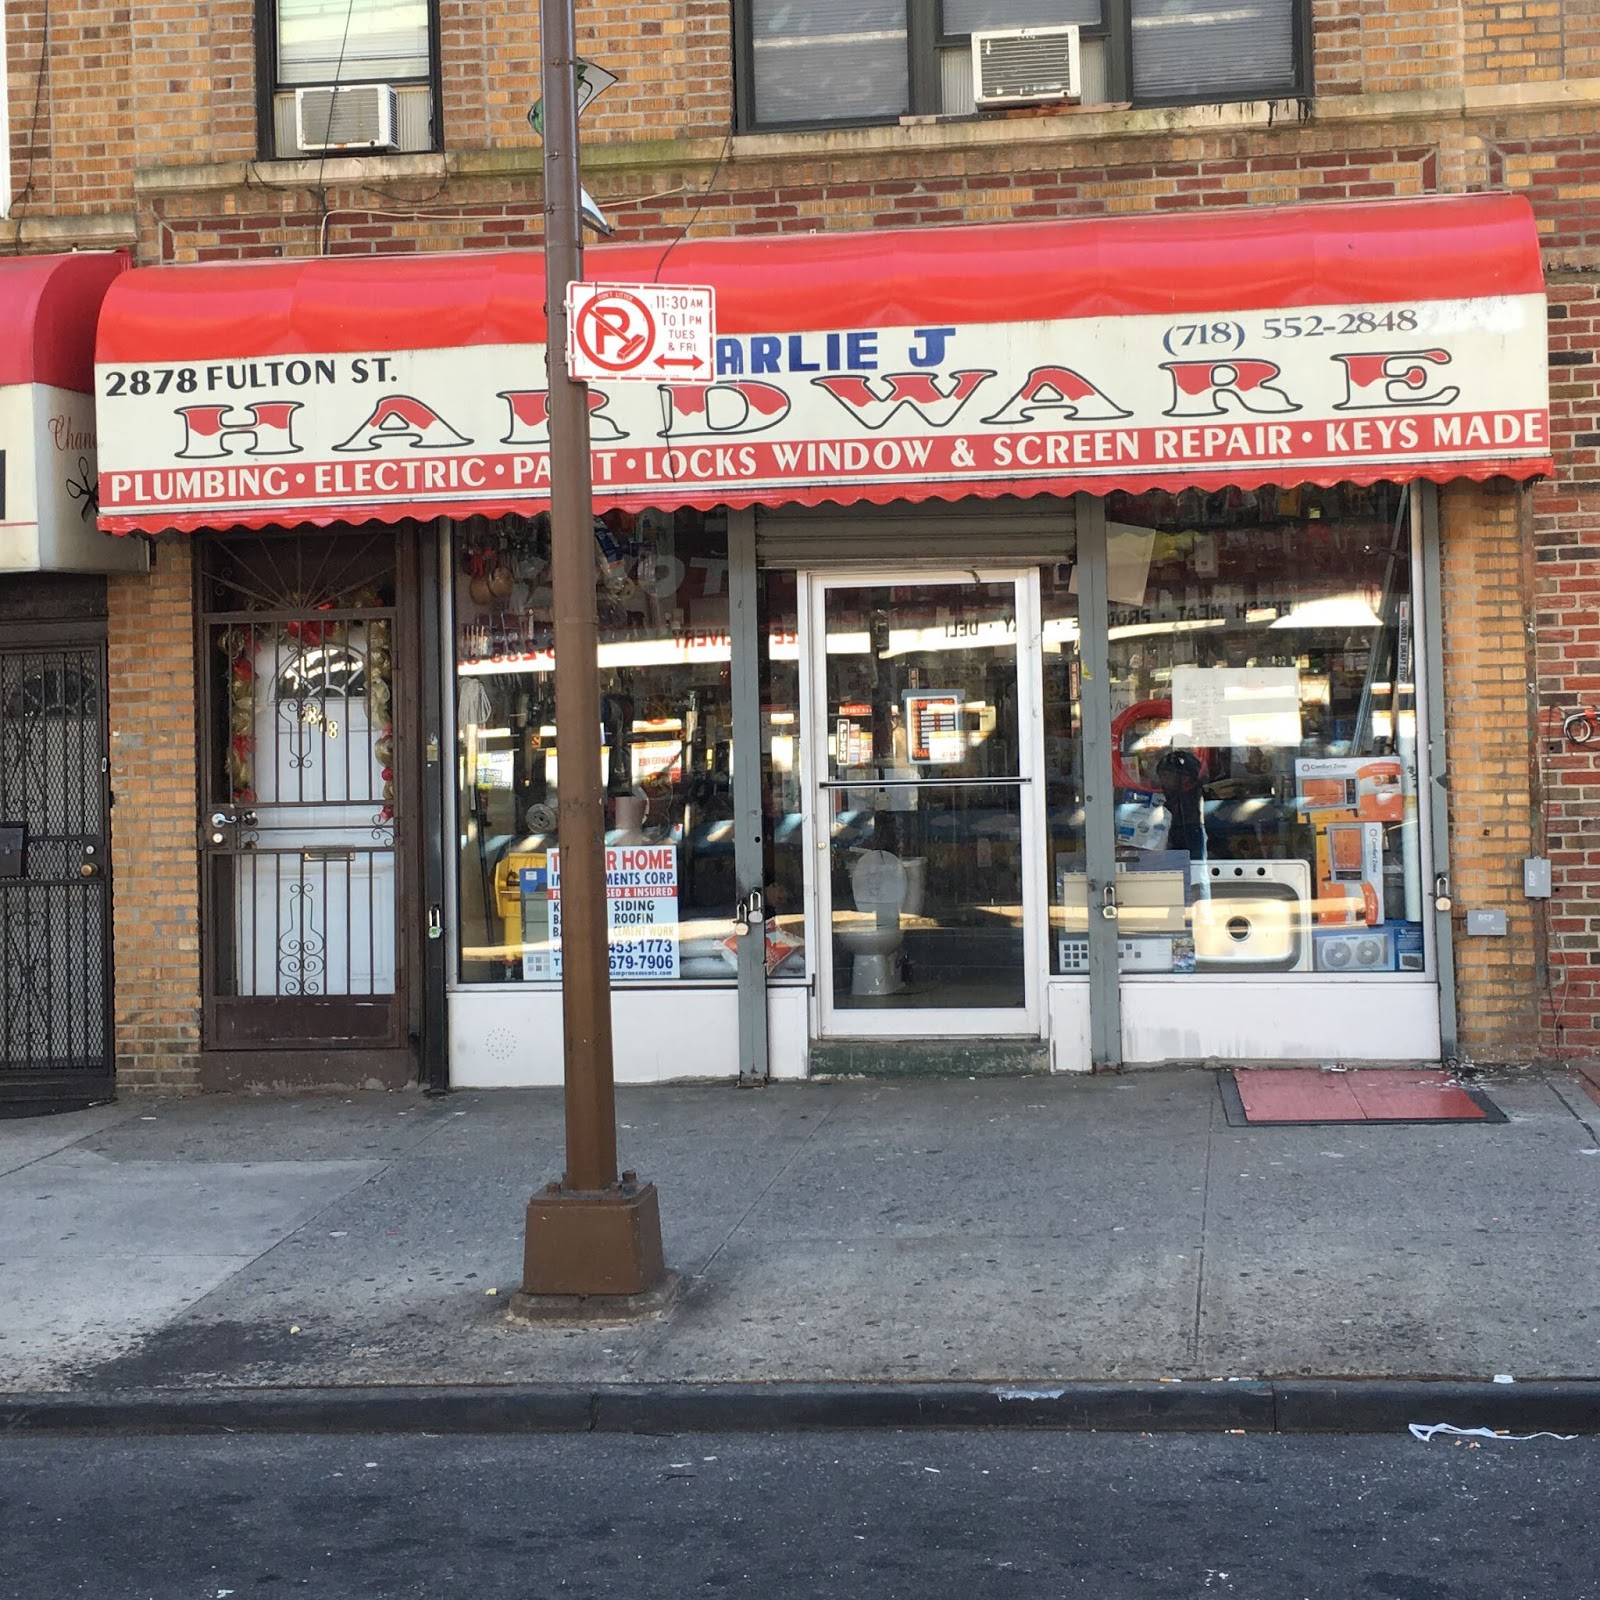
(305, 947)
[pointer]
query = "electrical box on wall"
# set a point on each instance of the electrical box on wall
(1536, 877)
(1486, 924)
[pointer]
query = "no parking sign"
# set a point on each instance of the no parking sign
(653, 332)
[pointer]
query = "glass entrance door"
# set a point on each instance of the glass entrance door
(924, 829)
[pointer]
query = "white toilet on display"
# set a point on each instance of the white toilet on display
(883, 887)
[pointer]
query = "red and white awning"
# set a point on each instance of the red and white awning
(49, 307)
(1383, 340)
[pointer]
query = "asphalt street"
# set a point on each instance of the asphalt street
(1115, 1517)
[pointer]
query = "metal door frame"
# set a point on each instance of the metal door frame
(749, 839)
(1432, 755)
(391, 1056)
(1028, 1020)
(1099, 796)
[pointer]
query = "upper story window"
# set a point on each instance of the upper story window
(814, 63)
(348, 77)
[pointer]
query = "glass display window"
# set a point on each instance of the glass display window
(661, 588)
(1264, 736)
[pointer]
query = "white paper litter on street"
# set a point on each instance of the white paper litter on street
(1426, 1430)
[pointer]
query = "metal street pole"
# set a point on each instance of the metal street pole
(585, 979)
(591, 1234)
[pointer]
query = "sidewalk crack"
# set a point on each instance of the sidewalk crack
(1205, 1222)
(648, 1346)
(61, 1149)
(1585, 1119)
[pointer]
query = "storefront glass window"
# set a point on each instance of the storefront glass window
(1264, 734)
(661, 582)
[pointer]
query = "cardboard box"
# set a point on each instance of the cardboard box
(1349, 871)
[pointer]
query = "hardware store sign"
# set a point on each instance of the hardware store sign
(1435, 387)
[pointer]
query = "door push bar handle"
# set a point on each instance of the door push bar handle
(923, 783)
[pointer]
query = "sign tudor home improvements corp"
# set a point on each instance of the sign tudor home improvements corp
(1349, 342)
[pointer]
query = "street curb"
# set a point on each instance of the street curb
(1288, 1406)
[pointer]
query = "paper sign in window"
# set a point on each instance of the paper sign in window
(933, 727)
(1128, 553)
(1235, 707)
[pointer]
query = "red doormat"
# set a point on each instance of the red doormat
(1304, 1096)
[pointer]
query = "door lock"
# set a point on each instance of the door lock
(1441, 893)
(1108, 903)
(435, 922)
(749, 913)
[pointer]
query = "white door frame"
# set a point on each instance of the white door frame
(1026, 1021)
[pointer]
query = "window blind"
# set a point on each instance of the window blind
(1212, 48)
(346, 41)
(828, 60)
(969, 16)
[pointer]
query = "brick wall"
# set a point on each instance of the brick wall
(1521, 42)
(926, 186)
(1567, 623)
(1559, 172)
(1395, 47)
(71, 105)
(157, 942)
(129, 88)
(1486, 667)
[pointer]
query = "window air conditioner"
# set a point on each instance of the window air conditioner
(1013, 66)
(360, 116)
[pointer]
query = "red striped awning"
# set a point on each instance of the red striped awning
(1346, 342)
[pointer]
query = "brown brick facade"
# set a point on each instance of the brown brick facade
(1482, 541)
(150, 634)
(1567, 628)
(145, 119)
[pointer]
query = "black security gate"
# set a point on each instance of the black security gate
(306, 944)
(55, 890)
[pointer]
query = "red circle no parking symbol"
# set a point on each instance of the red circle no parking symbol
(616, 331)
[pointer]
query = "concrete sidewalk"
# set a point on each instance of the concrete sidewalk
(1107, 1229)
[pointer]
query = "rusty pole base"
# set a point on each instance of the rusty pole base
(587, 1243)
